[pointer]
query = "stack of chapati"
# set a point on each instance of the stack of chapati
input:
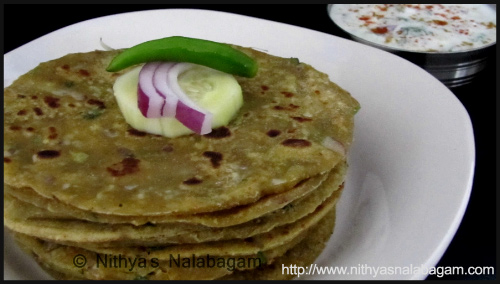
(91, 198)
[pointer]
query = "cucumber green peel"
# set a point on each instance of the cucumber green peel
(212, 54)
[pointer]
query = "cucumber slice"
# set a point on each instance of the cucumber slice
(213, 90)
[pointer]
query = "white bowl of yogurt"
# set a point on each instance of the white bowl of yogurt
(450, 41)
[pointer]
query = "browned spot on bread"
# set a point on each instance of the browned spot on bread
(38, 111)
(219, 133)
(192, 181)
(95, 102)
(290, 107)
(125, 167)
(273, 133)
(296, 143)
(168, 148)
(51, 102)
(52, 132)
(84, 72)
(48, 154)
(135, 132)
(215, 158)
(287, 94)
(301, 119)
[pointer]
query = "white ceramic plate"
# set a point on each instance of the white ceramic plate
(411, 165)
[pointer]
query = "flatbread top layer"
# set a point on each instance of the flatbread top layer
(66, 138)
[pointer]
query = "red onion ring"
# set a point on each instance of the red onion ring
(159, 95)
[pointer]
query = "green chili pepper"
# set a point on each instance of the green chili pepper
(212, 54)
